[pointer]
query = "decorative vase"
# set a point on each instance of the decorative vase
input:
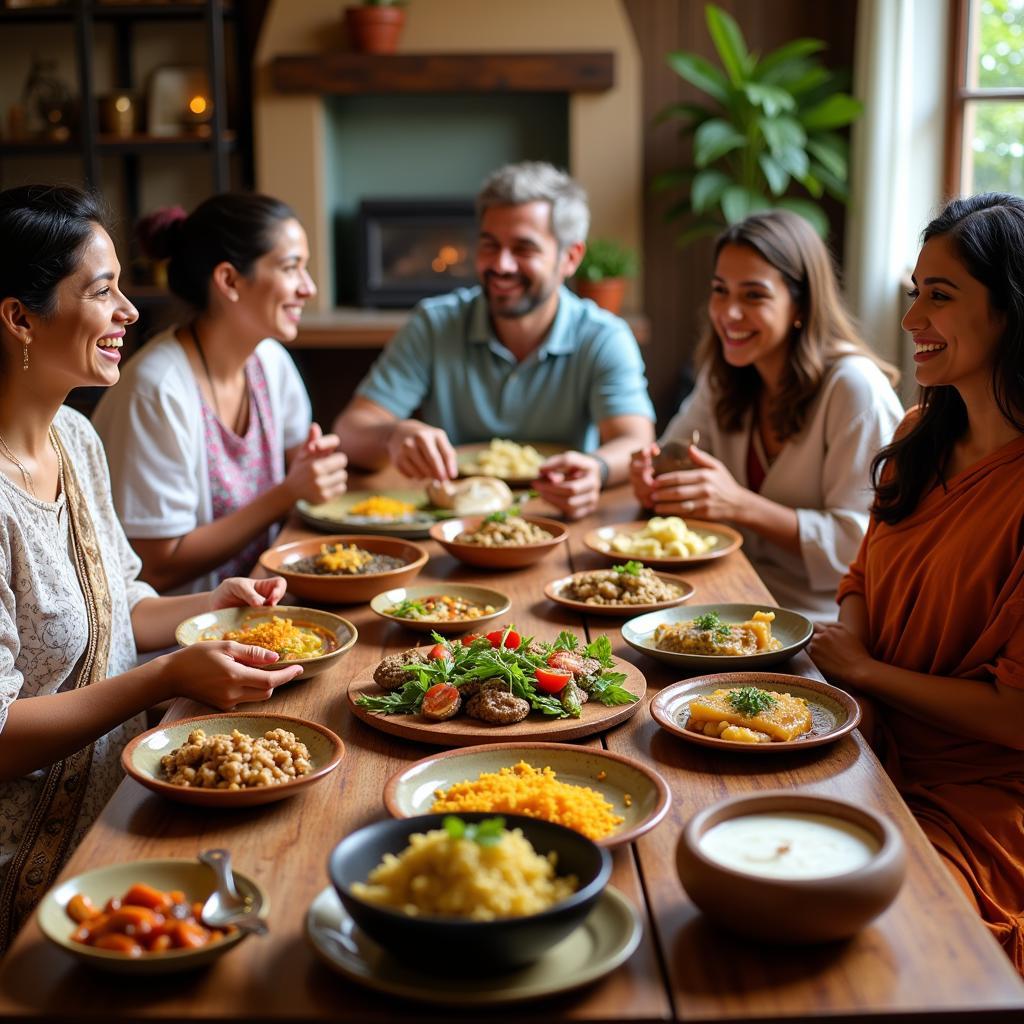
(374, 29)
(607, 292)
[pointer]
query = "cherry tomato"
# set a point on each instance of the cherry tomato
(439, 652)
(441, 701)
(551, 682)
(470, 638)
(512, 641)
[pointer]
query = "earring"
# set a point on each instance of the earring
(24, 356)
(798, 324)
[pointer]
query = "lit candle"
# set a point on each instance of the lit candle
(198, 112)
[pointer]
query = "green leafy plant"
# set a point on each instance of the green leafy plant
(606, 258)
(771, 123)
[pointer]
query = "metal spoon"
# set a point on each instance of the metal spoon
(225, 905)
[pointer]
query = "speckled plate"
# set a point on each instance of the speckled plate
(726, 541)
(411, 791)
(555, 591)
(791, 628)
(607, 938)
(334, 515)
(834, 712)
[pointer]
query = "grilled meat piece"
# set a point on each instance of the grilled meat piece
(499, 707)
(390, 675)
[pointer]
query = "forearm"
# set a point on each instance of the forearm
(364, 438)
(776, 523)
(619, 441)
(42, 730)
(154, 619)
(853, 614)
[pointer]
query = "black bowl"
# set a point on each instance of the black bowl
(453, 945)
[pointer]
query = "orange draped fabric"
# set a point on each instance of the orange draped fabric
(944, 590)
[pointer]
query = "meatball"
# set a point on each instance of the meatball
(390, 675)
(475, 686)
(499, 707)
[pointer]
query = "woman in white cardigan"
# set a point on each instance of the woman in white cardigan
(790, 406)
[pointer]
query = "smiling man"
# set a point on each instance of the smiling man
(519, 356)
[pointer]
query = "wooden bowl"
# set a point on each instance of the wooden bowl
(726, 541)
(512, 557)
(478, 595)
(344, 589)
(791, 910)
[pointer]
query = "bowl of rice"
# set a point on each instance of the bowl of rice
(470, 893)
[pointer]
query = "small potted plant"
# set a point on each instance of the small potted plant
(603, 272)
(375, 25)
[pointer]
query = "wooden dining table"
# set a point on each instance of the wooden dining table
(927, 956)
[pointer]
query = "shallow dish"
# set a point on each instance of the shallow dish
(791, 910)
(455, 945)
(213, 625)
(791, 628)
(727, 540)
(343, 588)
(411, 791)
(334, 516)
(606, 939)
(141, 757)
(511, 557)
(478, 595)
(466, 455)
(554, 591)
(195, 879)
(834, 712)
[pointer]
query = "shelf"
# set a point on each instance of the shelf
(160, 143)
(110, 12)
(357, 73)
(38, 147)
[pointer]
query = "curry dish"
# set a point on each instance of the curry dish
(707, 634)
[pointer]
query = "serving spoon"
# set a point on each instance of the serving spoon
(225, 905)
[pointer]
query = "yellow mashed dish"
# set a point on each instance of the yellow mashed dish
(707, 634)
(746, 714)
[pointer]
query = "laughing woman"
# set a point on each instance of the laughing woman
(208, 433)
(72, 611)
(931, 620)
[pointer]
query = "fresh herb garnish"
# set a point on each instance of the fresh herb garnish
(713, 624)
(404, 701)
(607, 688)
(750, 701)
(601, 650)
(484, 833)
(501, 517)
(629, 569)
(408, 609)
(565, 641)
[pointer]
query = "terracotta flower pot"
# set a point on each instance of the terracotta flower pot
(374, 29)
(607, 292)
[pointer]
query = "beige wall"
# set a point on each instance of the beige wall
(606, 128)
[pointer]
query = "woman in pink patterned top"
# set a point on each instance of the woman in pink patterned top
(208, 432)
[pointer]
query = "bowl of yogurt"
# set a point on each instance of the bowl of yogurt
(791, 867)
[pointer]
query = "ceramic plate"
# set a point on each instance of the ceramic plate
(411, 791)
(334, 515)
(468, 466)
(792, 628)
(554, 591)
(510, 556)
(196, 880)
(141, 758)
(213, 626)
(382, 603)
(727, 540)
(607, 938)
(834, 712)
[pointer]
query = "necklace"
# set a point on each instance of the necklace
(25, 474)
(239, 418)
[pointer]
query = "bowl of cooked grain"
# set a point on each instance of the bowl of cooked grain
(501, 540)
(491, 894)
(236, 759)
(346, 568)
(300, 636)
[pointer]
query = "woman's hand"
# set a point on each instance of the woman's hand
(641, 474)
(840, 654)
(241, 592)
(318, 472)
(571, 482)
(708, 492)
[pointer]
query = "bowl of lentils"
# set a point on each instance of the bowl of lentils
(345, 569)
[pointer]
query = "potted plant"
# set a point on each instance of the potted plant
(603, 271)
(769, 126)
(375, 25)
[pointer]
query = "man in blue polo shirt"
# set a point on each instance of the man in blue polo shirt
(519, 356)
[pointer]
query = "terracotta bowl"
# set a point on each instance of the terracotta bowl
(512, 557)
(345, 589)
(791, 910)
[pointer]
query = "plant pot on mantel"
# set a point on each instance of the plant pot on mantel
(375, 28)
(607, 293)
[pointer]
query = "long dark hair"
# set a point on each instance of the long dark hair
(234, 227)
(987, 235)
(43, 230)
(827, 332)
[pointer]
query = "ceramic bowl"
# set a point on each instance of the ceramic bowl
(511, 557)
(344, 589)
(141, 758)
(791, 910)
(382, 604)
(726, 541)
(196, 880)
(213, 625)
(458, 946)
(555, 591)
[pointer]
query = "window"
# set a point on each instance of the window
(986, 137)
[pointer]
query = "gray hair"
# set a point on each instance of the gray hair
(532, 181)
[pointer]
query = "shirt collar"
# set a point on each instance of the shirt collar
(561, 339)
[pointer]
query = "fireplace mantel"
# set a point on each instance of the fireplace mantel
(358, 73)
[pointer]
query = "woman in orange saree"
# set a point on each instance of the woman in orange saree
(931, 621)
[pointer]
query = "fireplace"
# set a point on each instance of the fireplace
(410, 249)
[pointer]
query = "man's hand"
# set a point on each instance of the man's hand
(422, 452)
(571, 482)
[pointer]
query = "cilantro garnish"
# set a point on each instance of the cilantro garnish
(629, 569)
(713, 624)
(750, 701)
(501, 517)
(484, 833)
(408, 609)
